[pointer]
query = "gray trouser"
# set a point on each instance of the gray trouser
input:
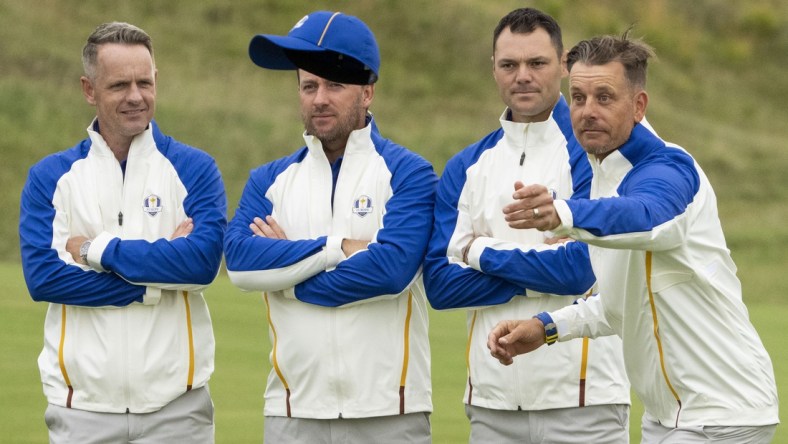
(598, 424)
(655, 433)
(413, 428)
(187, 419)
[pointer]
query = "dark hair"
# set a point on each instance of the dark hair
(525, 21)
(633, 54)
(112, 32)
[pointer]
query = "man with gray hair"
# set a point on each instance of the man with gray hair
(667, 282)
(120, 234)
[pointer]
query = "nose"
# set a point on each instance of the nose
(321, 95)
(588, 111)
(523, 74)
(134, 94)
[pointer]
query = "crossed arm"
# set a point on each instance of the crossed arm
(270, 229)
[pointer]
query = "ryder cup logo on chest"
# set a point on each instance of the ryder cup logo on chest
(362, 206)
(152, 205)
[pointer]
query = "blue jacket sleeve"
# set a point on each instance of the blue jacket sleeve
(246, 252)
(449, 284)
(390, 263)
(565, 270)
(651, 199)
(50, 278)
(193, 259)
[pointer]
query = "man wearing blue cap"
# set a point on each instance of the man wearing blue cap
(334, 235)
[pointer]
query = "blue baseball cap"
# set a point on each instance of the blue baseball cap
(332, 45)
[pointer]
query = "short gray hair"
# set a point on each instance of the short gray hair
(633, 54)
(112, 32)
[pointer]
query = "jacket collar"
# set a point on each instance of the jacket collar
(141, 144)
(534, 135)
(358, 141)
(642, 142)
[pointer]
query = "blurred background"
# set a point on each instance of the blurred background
(718, 88)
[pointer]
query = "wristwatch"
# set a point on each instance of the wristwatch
(83, 251)
(550, 329)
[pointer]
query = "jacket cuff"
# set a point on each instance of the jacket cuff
(96, 250)
(565, 214)
(152, 296)
(476, 250)
(334, 253)
(550, 329)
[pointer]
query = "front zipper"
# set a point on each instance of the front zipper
(125, 370)
(335, 361)
(525, 144)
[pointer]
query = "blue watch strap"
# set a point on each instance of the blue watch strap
(550, 329)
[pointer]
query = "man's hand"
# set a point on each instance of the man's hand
(183, 229)
(511, 338)
(533, 208)
(267, 228)
(350, 246)
(72, 246)
(558, 240)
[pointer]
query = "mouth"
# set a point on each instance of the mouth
(321, 117)
(591, 131)
(527, 91)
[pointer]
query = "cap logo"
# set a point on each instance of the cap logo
(300, 22)
(325, 30)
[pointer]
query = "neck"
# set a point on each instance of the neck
(120, 148)
(332, 154)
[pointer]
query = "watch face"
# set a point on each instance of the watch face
(83, 251)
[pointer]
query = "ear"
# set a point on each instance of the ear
(368, 95)
(88, 90)
(564, 69)
(641, 102)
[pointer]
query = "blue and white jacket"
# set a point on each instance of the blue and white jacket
(514, 274)
(349, 335)
(668, 287)
(131, 330)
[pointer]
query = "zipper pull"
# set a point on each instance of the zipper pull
(522, 159)
(120, 218)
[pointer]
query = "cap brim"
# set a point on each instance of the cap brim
(332, 66)
(268, 51)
